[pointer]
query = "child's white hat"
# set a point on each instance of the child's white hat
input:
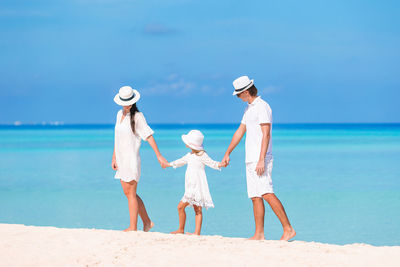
(194, 139)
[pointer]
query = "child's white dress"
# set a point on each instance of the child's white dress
(196, 186)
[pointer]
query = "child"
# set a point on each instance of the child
(197, 193)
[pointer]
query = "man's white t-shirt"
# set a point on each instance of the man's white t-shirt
(256, 113)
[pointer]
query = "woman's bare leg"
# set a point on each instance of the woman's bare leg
(182, 218)
(147, 223)
(130, 193)
(198, 219)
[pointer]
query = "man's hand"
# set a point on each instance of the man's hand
(260, 167)
(222, 164)
(225, 160)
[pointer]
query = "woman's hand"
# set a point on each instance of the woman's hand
(114, 165)
(163, 162)
(260, 168)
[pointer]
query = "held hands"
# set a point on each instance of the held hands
(163, 162)
(222, 164)
(260, 168)
(225, 161)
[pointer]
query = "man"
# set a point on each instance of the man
(257, 122)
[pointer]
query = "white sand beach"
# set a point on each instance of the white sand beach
(49, 246)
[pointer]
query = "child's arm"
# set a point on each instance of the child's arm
(179, 162)
(210, 162)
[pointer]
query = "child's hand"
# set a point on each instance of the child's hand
(222, 164)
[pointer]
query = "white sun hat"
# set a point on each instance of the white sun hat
(194, 139)
(126, 96)
(242, 84)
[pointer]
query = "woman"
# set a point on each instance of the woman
(130, 128)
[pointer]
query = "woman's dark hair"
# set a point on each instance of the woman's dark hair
(134, 109)
(252, 90)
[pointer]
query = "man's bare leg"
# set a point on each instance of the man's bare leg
(259, 211)
(147, 223)
(182, 218)
(279, 210)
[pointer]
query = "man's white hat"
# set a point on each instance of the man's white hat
(242, 84)
(126, 96)
(194, 139)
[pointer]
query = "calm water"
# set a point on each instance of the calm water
(339, 183)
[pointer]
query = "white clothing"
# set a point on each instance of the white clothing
(259, 185)
(196, 186)
(256, 113)
(127, 145)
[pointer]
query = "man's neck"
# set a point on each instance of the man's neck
(252, 98)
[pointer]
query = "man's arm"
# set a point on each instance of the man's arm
(265, 129)
(237, 136)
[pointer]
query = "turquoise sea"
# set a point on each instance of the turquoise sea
(339, 183)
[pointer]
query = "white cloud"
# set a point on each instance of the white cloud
(20, 13)
(173, 84)
(270, 89)
(158, 29)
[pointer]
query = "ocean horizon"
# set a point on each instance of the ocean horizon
(339, 182)
(308, 125)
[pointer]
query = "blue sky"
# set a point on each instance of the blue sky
(313, 61)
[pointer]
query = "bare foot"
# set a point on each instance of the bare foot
(129, 229)
(147, 227)
(257, 237)
(288, 234)
(178, 232)
(192, 233)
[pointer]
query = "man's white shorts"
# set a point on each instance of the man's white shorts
(259, 185)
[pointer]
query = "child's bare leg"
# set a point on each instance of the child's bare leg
(199, 219)
(182, 218)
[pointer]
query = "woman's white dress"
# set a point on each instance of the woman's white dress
(127, 145)
(196, 186)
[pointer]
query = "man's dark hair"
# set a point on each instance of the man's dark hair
(252, 90)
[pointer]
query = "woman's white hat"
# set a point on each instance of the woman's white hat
(194, 139)
(242, 84)
(126, 96)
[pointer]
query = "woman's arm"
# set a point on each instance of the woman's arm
(152, 142)
(114, 165)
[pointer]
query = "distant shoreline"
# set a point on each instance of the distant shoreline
(311, 126)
